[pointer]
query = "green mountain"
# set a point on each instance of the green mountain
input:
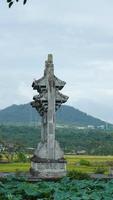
(25, 114)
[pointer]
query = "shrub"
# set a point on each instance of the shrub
(1, 157)
(100, 170)
(77, 175)
(84, 162)
(21, 157)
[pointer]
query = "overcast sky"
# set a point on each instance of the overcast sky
(79, 34)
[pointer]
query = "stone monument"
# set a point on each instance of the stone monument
(48, 159)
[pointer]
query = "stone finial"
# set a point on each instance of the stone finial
(50, 58)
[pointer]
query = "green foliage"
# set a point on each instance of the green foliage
(8, 156)
(84, 162)
(21, 136)
(21, 157)
(100, 170)
(65, 189)
(94, 142)
(1, 157)
(78, 175)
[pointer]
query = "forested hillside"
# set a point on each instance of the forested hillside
(97, 142)
(25, 114)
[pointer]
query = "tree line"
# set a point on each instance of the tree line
(93, 142)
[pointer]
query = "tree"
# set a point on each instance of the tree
(9, 152)
(11, 2)
(21, 157)
(1, 157)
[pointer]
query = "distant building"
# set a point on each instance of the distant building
(101, 127)
(81, 127)
(2, 148)
(91, 127)
(82, 152)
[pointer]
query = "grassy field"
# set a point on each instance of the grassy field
(14, 167)
(94, 162)
(74, 162)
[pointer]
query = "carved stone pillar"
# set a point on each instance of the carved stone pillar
(48, 160)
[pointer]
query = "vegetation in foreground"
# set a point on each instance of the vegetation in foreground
(76, 186)
(65, 189)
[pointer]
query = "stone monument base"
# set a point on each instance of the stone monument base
(48, 169)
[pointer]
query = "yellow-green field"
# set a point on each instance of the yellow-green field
(73, 163)
(94, 163)
(13, 167)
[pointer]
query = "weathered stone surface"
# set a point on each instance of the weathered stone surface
(48, 170)
(42, 152)
(47, 158)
